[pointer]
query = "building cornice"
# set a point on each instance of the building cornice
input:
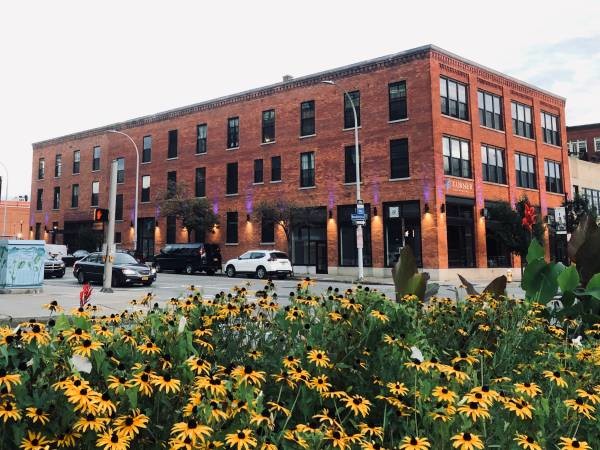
(587, 126)
(308, 80)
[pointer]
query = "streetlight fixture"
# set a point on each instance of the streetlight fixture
(5, 199)
(359, 202)
(137, 177)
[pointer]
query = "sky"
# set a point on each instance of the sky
(67, 66)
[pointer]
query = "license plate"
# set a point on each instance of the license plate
(144, 278)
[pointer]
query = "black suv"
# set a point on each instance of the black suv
(126, 270)
(189, 258)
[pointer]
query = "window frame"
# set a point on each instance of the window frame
(275, 169)
(120, 171)
(516, 122)
(449, 159)
(172, 146)
(525, 179)
(233, 132)
(396, 170)
(348, 112)
(259, 171)
(488, 168)
(232, 179)
(308, 118)
(200, 182)
(95, 200)
(58, 165)
(96, 155)
(268, 126)
(401, 102)
(554, 182)
(147, 149)
(446, 106)
(231, 227)
(145, 193)
(201, 139)
(75, 195)
(39, 201)
(550, 135)
(307, 174)
(350, 164)
(496, 118)
(76, 161)
(56, 198)
(41, 168)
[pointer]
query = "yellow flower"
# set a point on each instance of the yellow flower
(35, 441)
(192, 430)
(198, 365)
(9, 410)
(338, 438)
(91, 422)
(320, 384)
(248, 375)
(379, 316)
(414, 443)
(86, 347)
(573, 444)
(149, 348)
(241, 439)
(444, 394)
(166, 383)
(9, 380)
(467, 441)
(556, 377)
(397, 388)
(527, 442)
(142, 382)
(520, 407)
(358, 405)
(53, 306)
(36, 333)
(131, 424)
(474, 411)
(318, 357)
(370, 430)
(37, 415)
(530, 389)
(112, 440)
(580, 406)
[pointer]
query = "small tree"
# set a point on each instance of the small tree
(284, 213)
(196, 214)
(576, 209)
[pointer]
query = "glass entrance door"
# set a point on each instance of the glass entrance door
(460, 232)
(402, 226)
(145, 238)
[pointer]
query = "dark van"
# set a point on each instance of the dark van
(189, 258)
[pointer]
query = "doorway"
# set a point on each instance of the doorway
(322, 266)
(145, 238)
(402, 227)
(460, 232)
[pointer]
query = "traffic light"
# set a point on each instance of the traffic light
(100, 215)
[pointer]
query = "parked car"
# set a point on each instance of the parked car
(262, 263)
(54, 267)
(126, 270)
(76, 256)
(189, 258)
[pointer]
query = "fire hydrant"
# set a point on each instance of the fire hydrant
(509, 276)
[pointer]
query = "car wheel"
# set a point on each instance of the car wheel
(189, 269)
(158, 268)
(81, 277)
(117, 281)
(261, 273)
(230, 271)
(210, 272)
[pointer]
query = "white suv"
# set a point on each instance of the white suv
(260, 262)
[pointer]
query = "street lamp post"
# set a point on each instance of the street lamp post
(5, 199)
(137, 178)
(359, 230)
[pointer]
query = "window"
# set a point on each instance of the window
(233, 132)
(58, 165)
(307, 169)
(276, 168)
(577, 148)
(267, 230)
(76, 161)
(593, 198)
(200, 182)
(232, 228)
(307, 118)
(525, 166)
(522, 120)
(95, 193)
(172, 150)
(38, 230)
(268, 126)
(350, 164)
(453, 97)
(490, 110)
(171, 183)
(118, 237)
(146, 188)
(119, 207)
(552, 171)
(201, 131)
(597, 144)
(39, 205)
(120, 170)
(258, 171)
(397, 100)
(550, 128)
(41, 168)
(457, 159)
(348, 111)
(147, 149)
(171, 229)
(56, 197)
(492, 162)
(232, 178)
(399, 158)
(75, 196)
(96, 158)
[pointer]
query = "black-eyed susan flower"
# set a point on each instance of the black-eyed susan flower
(556, 377)
(567, 443)
(241, 439)
(397, 388)
(166, 383)
(414, 443)
(192, 430)
(90, 422)
(262, 418)
(142, 382)
(474, 411)
(9, 379)
(198, 365)
(247, 374)
(320, 383)
(467, 441)
(318, 358)
(111, 439)
(371, 430)
(278, 407)
(84, 399)
(9, 410)
(589, 395)
(530, 389)
(580, 406)
(37, 415)
(37, 332)
(520, 407)
(358, 405)
(117, 384)
(67, 439)
(53, 306)
(149, 348)
(382, 317)
(337, 438)
(86, 347)
(443, 394)
(290, 362)
(526, 442)
(131, 424)
(35, 441)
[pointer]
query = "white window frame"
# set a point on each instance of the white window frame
(597, 144)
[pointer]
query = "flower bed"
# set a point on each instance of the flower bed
(343, 370)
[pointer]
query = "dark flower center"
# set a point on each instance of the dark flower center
(36, 329)
(192, 424)
(241, 435)
(35, 442)
(87, 343)
(473, 405)
(467, 436)
(530, 440)
(336, 435)
(413, 441)
(114, 438)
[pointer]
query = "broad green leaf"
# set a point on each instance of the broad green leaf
(468, 286)
(403, 270)
(497, 287)
(593, 287)
(535, 251)
(132, 395)
(568, 280)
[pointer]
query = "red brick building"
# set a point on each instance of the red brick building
(17, 219)
(583, 143)
(439, 137)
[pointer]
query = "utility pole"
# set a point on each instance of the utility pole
(110, 235)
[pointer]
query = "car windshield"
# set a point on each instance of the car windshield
(124, 258)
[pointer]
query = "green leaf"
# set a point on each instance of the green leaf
(497, 287)
(535, 251)
(568, 280)
(593, 287)
(540, 280)
(132, 395)
(468, 286)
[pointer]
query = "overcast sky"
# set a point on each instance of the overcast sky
(70, 66)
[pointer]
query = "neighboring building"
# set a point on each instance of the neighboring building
(584, 156)
(440, 137)
(17, 219)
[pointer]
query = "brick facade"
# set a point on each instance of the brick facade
(17, 219)
(424, 128)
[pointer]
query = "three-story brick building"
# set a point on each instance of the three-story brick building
(440, 138)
